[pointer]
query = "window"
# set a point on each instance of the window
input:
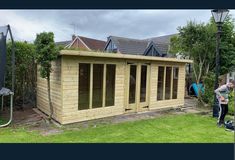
(111, 47)
(143, 83)
(84, 86)
(168, 83)
(110, 84)
(132, 84)
(97, 85)
(92, 75)
(152, 51)
(175, 82)
(160, 84)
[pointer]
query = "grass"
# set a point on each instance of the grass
(166, 129)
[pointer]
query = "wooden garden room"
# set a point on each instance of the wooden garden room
(91, 85)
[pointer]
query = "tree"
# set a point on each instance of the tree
(227, 49)
(197, 42)
(46, 53)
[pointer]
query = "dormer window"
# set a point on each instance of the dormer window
(111, 47)
(151, 50)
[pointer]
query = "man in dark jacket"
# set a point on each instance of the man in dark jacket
(222, 94)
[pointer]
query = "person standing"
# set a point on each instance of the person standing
(222, 95)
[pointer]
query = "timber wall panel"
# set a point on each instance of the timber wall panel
(70, 89)
(42, 94)
(154, 104)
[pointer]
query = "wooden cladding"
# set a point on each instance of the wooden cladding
(76, 78)
(167, 82)
(96, 85)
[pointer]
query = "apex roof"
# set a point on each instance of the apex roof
(92, 44)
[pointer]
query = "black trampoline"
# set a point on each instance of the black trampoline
(6, 90)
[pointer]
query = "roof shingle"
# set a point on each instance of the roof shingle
(93, 44)
(130, 46)
(138, 47)
(63, 43)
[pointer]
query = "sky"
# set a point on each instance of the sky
(99, 24)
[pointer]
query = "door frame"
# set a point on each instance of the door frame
(144, 106)
(137, 106)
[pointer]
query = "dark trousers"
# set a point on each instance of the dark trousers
(223, 110)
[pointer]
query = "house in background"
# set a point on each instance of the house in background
(157, 46)
(230, 76)
(83, 43)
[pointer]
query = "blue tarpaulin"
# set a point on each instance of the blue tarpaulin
(197, 87)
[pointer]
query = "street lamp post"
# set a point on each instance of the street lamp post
(219, 16)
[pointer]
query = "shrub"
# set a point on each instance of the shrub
(208, 96)
(231, 103)
(25, 72)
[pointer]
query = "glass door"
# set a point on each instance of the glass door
(144, 87)
(132, 87)
(137, 87)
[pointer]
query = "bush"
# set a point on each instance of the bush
(231, 103)
(208, 96)
(25, 72)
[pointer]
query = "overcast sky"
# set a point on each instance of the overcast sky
(99, 23)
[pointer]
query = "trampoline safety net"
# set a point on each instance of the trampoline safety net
(3, 58)
(3, 52)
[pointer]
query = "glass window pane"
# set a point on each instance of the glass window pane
(143, 83)
(160, 83)
(175, 82)
(132, 84)
(168, 83)
(84, 86)
(109, 48)
(98, 70)
(110, 84)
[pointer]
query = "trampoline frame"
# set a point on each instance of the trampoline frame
(11, 92)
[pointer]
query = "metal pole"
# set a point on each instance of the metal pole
(2, 103)
(11, 112)
(217, 70)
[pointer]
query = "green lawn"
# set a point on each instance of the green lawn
(166, 129)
